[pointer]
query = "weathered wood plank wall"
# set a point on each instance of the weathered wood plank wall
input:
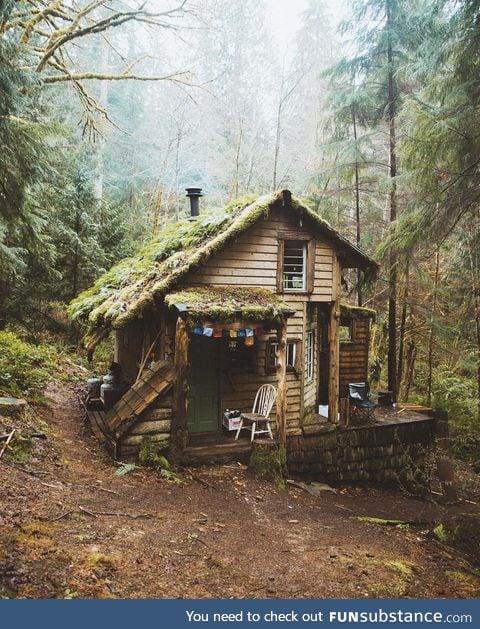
(354, 355)
(251, 260)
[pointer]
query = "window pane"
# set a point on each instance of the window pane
(291, 354)
(294, 259)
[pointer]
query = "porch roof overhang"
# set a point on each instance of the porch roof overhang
(225, 304)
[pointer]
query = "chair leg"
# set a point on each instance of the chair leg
(239, 429)
(253, 433)
(269, 430)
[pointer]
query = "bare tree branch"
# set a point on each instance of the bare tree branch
(87, 76)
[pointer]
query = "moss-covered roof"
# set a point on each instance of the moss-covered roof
(358, 311)
(226, 303)
(120, 295)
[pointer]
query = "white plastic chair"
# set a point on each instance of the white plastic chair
(258, 421)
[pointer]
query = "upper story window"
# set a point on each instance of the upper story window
(294, 265)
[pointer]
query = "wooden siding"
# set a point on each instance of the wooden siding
(310, 386)
(354, 356)
(251, 260)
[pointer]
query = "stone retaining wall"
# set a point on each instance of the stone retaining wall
(387, 455)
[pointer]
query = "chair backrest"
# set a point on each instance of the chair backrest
(264, 400)
(358, 391)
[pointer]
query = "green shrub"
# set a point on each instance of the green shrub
(151, 454)
(24, 367)
(457, 394)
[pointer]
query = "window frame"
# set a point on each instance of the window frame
(292, 343)
(309, 263)
(347, 322)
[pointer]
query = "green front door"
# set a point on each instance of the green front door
(203, 383)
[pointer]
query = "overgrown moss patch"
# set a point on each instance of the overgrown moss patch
(36, 537)
(226, 302)
(380, 521)
(269, 463)
(99, 560)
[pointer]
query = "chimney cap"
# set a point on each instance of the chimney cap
(194, 191)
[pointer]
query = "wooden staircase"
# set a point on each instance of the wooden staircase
(109, 428)
(154, 382)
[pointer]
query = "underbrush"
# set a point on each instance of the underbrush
(457, 394)
(27, 363)
(24, 367)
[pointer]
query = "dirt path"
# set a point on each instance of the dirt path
(231, 536)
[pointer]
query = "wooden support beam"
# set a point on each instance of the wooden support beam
(179, 411)
(281, 403)
(334, 347)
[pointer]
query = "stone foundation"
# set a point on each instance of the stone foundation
(395, 455)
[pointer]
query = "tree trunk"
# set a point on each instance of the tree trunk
(392, 283)
(474, 267)
(357, 206)
(402, 326)
(76, 255)
(3, 303)
(236, 175)
(411, 355)
(430, 332)
(277, 145)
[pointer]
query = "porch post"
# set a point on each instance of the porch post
(281, 403)
(334, 363)
(334, 343)
(178, 434)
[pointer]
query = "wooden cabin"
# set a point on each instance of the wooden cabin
(220, 304)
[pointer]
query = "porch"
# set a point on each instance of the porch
(216, 363)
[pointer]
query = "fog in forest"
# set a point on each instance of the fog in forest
(241, 111)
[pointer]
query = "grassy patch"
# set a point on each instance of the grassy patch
(381, 521)
(99, 560)
(24, 367)
(440, 533)
(36, 537)
(400, 567)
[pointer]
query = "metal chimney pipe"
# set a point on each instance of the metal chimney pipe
(194, 194)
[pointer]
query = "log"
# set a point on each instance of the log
(136, 440)
(156, 414)
(151, 427)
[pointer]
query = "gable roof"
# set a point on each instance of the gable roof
(120, 295)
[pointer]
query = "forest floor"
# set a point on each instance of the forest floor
(72, 528)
